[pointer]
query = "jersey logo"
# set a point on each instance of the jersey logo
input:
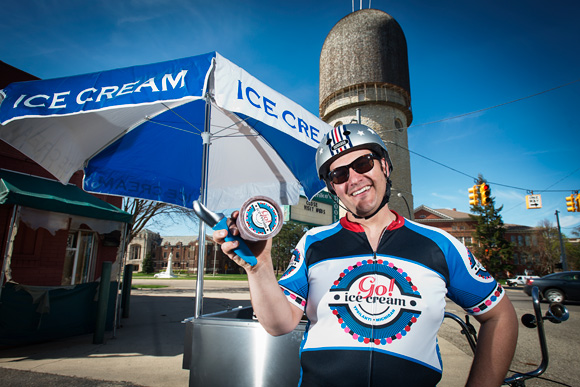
(375, 301)
(293, 265)
(477, 269)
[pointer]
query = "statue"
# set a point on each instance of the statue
(169, 271)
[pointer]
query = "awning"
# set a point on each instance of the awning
(51, 195)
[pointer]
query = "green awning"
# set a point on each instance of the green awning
(50, 195)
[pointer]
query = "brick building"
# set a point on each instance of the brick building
(185, 252)
(55, 239)
(524, 239)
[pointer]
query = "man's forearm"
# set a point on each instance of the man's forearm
(271, 307)
(496, 345)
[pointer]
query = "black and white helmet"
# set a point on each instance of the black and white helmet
(346, 138)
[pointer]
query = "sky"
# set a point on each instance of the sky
(514, 65)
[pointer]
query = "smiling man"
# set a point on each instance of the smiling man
(373, 285)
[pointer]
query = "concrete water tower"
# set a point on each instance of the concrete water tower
(364, 77)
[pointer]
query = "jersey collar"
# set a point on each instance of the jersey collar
(356, 227)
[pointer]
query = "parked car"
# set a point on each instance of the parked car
(557, 287)
(520, 280)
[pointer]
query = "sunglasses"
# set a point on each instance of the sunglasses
(361, 165)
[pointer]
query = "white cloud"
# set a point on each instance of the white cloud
(445, 197)
(569, 221)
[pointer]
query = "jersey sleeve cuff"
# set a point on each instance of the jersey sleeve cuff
(294, 298)
(488, 303)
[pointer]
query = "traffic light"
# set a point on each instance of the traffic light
(571, 204)
(485, 193)
(473, 196)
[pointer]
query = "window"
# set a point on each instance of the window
(79, 260)
(135, 252)
(520, 240)
(528, 240)
(398, 125)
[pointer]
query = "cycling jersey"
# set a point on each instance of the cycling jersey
(373, 317)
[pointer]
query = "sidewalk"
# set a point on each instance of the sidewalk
(148, 347)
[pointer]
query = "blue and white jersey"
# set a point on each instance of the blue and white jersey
(373, 317)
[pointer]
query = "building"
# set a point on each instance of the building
(55, 240)
(459, 224)
(184, 251)
(364, 77)
(142, 244)
(524, 239)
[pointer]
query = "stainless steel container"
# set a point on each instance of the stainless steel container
(230, 348)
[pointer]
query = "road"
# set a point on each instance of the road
(563, 342)
(563, 339)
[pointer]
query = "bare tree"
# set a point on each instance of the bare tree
(146, 212)
(548, 248)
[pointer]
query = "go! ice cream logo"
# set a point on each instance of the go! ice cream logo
(375, 301)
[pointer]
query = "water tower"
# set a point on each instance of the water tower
(364, 77)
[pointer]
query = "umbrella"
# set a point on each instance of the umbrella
(140, 132)
(197, 128)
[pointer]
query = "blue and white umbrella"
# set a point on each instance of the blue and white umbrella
(168, 132)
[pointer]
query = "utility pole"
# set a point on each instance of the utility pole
(562, 251)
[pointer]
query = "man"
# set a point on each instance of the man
(373, 285)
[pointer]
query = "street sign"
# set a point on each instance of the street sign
(322, 210)
(533, 201)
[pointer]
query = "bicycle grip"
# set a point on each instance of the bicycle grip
(243, 250)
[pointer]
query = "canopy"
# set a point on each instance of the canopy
(142, 131)
(50, 195)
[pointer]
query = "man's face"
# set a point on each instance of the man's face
(362, 193)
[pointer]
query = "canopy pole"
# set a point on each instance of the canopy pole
(206, 139)
(122, 260)
(9, 243)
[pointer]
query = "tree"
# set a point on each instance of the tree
(548, 248)
(572, 255)
(148, 265)
(491, 247)
(284, 243)
(146, 211)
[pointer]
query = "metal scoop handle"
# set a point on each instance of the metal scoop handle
(217, 221)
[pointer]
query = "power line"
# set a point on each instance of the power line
(489, 182)
(496, 106)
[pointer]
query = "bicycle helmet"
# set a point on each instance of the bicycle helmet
(346, 138)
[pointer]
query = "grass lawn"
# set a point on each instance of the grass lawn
(148, 286)
(230, 277)
(209, 277)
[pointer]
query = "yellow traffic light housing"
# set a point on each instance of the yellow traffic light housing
(485, 193)
(473, 196)
(571, 204)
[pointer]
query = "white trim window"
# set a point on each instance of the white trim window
(79, 263)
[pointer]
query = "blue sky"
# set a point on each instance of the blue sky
(464, 56)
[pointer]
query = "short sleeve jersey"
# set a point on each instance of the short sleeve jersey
(373, 316)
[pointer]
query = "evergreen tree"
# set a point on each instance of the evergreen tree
(490, 246)
(148, 266)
